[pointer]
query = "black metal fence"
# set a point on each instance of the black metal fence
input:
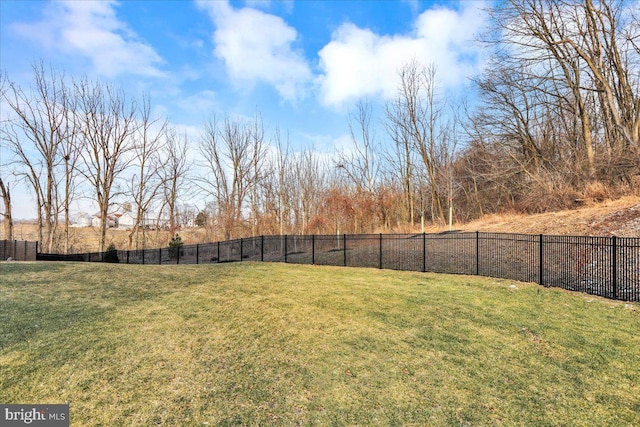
(605, 266)
(18, 250)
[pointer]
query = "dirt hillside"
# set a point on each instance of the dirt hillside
(617, 217)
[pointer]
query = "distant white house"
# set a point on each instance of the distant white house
(127, 220)
(112, 221)
(83, 219)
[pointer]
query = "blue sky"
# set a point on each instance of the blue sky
(301, 64)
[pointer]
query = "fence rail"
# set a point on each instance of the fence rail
(605, 266)
(18, 250)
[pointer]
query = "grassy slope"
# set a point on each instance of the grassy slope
(273, 344)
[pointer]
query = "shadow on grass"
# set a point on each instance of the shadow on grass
(29, 267)
(21, 321)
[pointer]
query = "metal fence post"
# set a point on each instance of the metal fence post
(160, 256)
(344, 249)
(313, 249)
(541, 266)
(241, 248)
(285, 248)
(197, 253)
(477, 253)
(424, 251)
(614, 262)
(380, 257)
(142, 256)
(262, 248)
(218, 252)
(128, 257)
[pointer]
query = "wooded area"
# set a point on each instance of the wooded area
(556, 118)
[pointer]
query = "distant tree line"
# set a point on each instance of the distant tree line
(557, 119)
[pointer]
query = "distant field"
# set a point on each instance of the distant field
(85, 239)
(275, 344)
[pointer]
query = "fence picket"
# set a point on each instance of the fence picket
(614, 265)
(540, 262)
(477, 253)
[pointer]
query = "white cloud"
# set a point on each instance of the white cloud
(258, 4)
(357, 62)
(202, 103)
(258, 47)
(284, 5)
(91, 29)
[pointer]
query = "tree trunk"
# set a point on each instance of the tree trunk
(8, 219)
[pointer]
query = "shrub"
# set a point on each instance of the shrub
(174, 246)
(201, 219)
(111, 254)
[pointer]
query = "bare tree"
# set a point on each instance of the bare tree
(361, 165)
(582, 58)
(231, 158)
(417, 123)
(307, 183)
(70, 149)
(8, 219)
(39, 128)
(559, 105)
(281, 185)
(108, 123)
(400, 161)
(4, 189)
(612, 63)
(258, 168)
(174, 170)
(146, 183)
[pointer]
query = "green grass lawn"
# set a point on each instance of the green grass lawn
(274, 344)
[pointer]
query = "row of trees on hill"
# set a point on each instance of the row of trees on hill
(557, 119)
(561, 104)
